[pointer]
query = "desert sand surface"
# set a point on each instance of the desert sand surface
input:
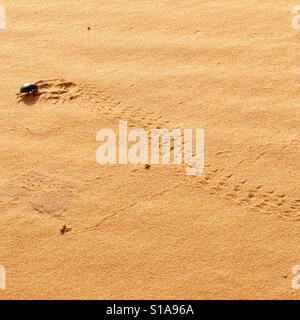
(229, 67)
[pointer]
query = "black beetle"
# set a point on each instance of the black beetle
(29, 88)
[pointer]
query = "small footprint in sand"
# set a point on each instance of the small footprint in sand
(256, 198)
(56, 91)
(59, 90)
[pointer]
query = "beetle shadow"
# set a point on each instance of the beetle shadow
(30, 98)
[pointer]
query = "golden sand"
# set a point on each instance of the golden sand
(71, 228)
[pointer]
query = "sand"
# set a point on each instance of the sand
(229, 67)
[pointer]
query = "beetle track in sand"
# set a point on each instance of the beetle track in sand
(217, 181)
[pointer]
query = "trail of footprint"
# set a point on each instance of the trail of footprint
(215, 180)
(116, 110)
(256, 198)
(56, 91)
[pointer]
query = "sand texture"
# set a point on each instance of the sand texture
(229, 67)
